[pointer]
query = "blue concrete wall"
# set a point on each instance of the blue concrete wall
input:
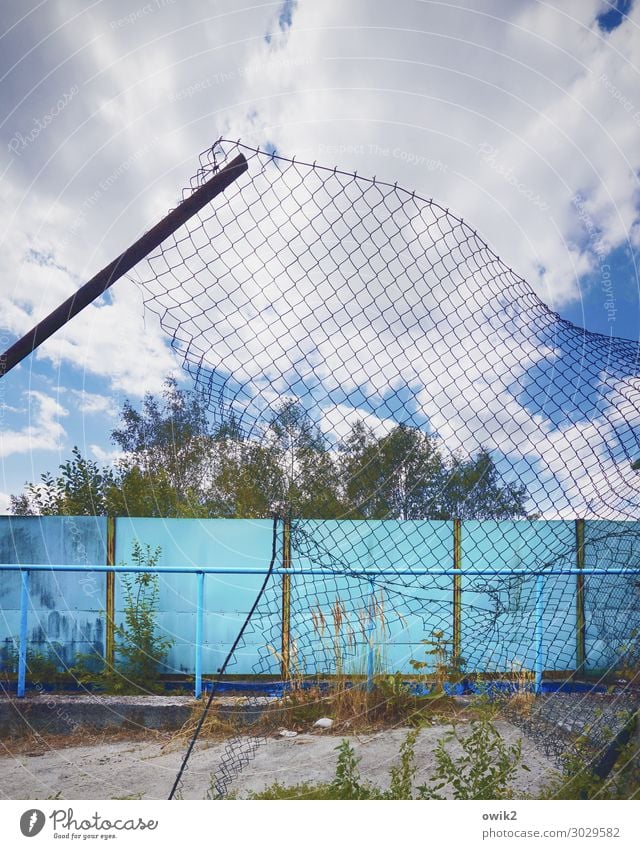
(612, 602)
(214, 543)
(66, 609)
(66, 615)
(405, 609)
(498, 614)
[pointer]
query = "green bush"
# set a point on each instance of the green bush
(140, 650)
(483, 770)
(138, 644)
(41, 666)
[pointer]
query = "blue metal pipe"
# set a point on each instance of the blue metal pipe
(539, 633)
(199, 632)
(370, 636)
(349, 573)
(22, 646)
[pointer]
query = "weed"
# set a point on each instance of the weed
(347, 783)
(447, 667)
(483, 770)
(216, 725)
(140, 649)
(402, 775)
(40, 666)
(629, 664)
(523, 696)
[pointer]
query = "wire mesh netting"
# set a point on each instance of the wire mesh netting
(428, 431)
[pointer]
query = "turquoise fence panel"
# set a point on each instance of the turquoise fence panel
(505, 622)
(612, 602)
(206, 543)
(498, 617)
(66, 609)
(407, 609)
(353, 544)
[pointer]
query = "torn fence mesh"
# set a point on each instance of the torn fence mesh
(404, 378)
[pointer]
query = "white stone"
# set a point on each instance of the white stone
(324, 722)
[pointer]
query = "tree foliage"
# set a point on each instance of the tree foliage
(174, 463)
(80, 489)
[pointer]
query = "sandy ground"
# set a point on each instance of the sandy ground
(147, 768)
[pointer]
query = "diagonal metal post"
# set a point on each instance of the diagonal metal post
(122, 264)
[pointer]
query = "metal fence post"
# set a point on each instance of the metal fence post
(457, 589)
(581, 628)
(285, 653)
(539, 669)
(110, 595)
(370, 636)
(122, 264)
(199, 634)
(22, 646)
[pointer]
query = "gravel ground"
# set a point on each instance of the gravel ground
(97, 699)
(147, 769)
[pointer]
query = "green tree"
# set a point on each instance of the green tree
(168, 456)
(166, 466)
(247, 480)
(175, 464)
(403, 475)
(474, 490)
(81, 489)
(396, 476)
(309, 478)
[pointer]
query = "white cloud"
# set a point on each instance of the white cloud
(44, 432)
(91, 404)
(502, 112)
(5, 504)
(521, 80)
(108, 458)
(337, 421)
(112, 338)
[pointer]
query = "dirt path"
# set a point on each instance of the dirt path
(146, 769)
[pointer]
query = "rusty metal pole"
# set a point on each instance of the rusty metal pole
(122, 264)
(109, 651)
(457, 589)
(285, 653)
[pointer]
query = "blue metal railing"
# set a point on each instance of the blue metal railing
(540, 574)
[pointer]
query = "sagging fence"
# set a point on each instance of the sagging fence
(363, 353)
(555, 598)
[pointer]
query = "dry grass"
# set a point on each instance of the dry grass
(214, 727)
(358, 634)
(523, 697)
(34, 744)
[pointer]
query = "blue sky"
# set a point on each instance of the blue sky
(522, 117)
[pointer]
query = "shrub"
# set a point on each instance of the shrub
(483, 770)
(140, 649)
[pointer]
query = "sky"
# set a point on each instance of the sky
(521, 117)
